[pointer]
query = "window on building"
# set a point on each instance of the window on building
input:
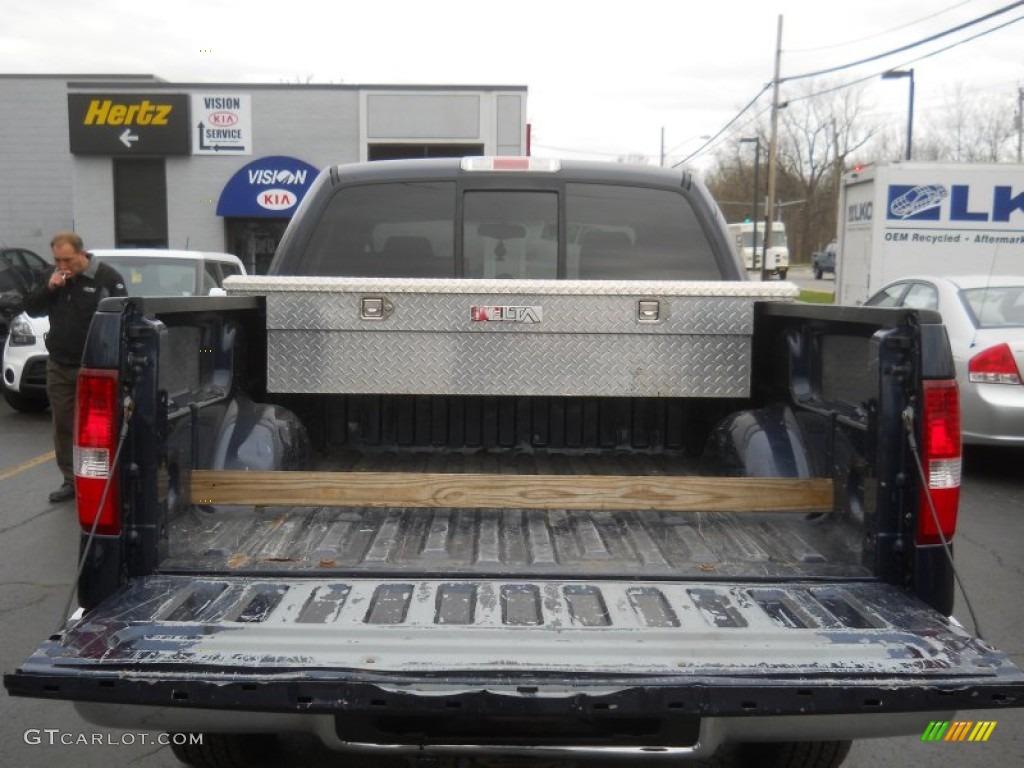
(402, 151)
(140, 203)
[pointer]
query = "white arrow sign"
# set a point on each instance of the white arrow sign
(128, 137)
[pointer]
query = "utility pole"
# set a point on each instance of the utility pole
(837, 172)
(661, 163)
(773, 150)
(1020, 124)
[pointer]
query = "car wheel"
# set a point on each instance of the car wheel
(225, 750)
(782, 274)
(25, 403)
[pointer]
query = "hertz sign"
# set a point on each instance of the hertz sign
(129, 124)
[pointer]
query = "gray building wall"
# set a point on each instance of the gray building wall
(44, 188)
(35, 165)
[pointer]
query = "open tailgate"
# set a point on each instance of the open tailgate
(339, 644)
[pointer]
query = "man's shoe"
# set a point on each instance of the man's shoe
(65, 493)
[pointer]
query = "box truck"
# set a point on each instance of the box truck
(777, 259)
(901, 219)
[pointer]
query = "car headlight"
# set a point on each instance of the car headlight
(22, 334)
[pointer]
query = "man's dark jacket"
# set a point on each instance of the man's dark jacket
(71, 308)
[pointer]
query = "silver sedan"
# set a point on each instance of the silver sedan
(984, 316)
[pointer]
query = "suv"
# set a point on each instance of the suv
(146, 272)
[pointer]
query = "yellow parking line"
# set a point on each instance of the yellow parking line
(27, 465)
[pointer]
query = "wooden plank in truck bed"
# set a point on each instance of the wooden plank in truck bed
(576, 492)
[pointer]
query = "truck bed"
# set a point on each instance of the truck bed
(564, 543)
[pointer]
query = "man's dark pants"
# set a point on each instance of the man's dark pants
(60, 388)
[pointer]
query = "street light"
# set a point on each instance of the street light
(895, 74)
(757, 164)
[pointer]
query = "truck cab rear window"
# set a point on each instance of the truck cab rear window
(631, 233)
(510, 234)
(385, 230)
(408, 230)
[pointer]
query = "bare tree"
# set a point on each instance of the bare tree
(973, 127)
(819, 130)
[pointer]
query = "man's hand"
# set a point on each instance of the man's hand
(58, 279)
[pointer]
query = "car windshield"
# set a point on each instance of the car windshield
(996, 306)
(153, 276)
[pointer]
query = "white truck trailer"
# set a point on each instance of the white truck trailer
(928, 218)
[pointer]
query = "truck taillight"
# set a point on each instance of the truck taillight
(994, 365)
(97, 414)
(941, 445)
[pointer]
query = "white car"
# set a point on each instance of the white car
(147, 272)
(984, 316)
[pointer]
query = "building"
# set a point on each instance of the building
(137, 161)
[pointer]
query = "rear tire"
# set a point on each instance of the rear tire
(25, 403)
(226, 750)
(793, 754)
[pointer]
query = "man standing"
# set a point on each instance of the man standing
(70, 297)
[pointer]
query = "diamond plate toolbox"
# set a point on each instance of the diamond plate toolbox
(509, 337)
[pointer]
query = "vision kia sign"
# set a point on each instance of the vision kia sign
(270, 187)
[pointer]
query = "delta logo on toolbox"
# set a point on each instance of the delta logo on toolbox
(266, 187)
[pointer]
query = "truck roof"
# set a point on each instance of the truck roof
(453, 167)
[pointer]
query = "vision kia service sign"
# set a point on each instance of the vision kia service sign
(128, 123)
(221, 124)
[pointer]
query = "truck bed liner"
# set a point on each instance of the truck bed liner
(493, 541)
(554, 542)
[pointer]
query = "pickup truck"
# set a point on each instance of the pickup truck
(507, 456)
(824, 261)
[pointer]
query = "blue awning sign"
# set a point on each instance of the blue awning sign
(269, 187)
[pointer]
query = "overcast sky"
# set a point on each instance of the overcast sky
(603, 79)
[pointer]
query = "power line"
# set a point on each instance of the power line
(911, 61)
(866, 78)
(724, 128)
(907, 47)
(877, 34)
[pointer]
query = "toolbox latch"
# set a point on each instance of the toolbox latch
(648, 311)
(374, 308)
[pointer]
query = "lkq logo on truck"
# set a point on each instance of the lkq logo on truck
(959, 202)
